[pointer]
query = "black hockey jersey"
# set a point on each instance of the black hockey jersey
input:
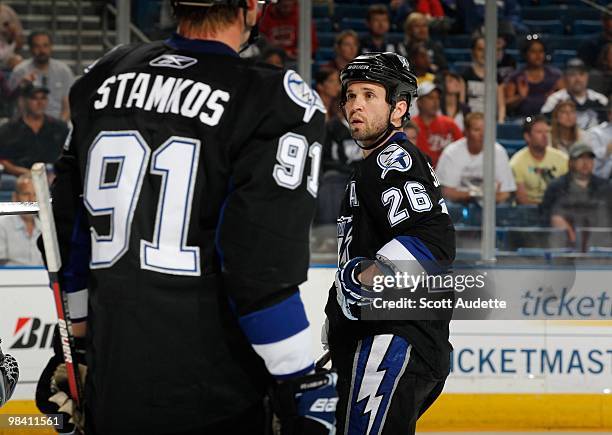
(198, 172)
(394, 193)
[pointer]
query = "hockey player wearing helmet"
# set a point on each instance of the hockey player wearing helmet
(184, 237)
(393, 219)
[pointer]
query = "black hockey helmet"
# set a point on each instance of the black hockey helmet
(387, 69)
(208, 3)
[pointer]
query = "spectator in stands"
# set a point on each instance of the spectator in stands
(19, 233)
(460, 168)
(280, 27)
(474, 82)
(578, 198)
(399, 10)
(564, 130)
(274, 56)
(421, 65)
(537, 164)
(590, 105)
(327, 84)
(346, 48)
(435, 131)
(11, 38)
(416, 31)
(453, 97)
(44, 71)
(33, 137)
(600, 78)
(7, 98)
(600, 139)
(412, 131)
(593, 46)
(378, 22)
(506, 64)
(526, 90)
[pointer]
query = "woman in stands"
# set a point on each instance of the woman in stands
(526, 90)
(564, 130)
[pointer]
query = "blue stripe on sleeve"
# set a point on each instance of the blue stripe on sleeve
(75, 272)
(275, 323)
(421, 252)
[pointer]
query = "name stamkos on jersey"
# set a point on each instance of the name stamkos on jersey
(163, 94)
(394, 158)
(302, 95)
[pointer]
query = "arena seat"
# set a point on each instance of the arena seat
(509, 131)
(549, 27)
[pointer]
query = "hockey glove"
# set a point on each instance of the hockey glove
(53, 392)
(9, 374)
(351, 294)
(306, 405)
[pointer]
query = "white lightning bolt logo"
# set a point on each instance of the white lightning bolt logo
(372, 377)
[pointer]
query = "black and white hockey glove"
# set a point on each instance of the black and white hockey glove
(352, 294)
(9, 374)
(306, 405)
(53, 392)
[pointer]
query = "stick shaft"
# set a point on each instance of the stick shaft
(52, 254)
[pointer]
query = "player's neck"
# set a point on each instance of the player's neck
(231, 36)
(366, 153)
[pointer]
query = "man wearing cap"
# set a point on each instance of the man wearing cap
(33, 137)
(435, 131)
(590, 105)
(578, 198)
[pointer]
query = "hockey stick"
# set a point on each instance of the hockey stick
(54, 262)
(7, 208)
(323, 360)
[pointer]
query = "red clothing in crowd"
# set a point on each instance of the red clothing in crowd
(430, 7)
(433, 138)
(282, 31)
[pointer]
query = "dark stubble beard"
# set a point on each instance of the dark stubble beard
(371, 132)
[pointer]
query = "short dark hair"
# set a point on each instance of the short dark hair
(36, 33)
(378, 9)
(272, 50)
(530, 121)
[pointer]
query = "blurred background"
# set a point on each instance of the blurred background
(552, 203)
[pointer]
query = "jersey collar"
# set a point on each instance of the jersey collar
(397, 136)
(179, 42)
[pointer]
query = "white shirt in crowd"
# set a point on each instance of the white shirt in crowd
(461, 170)
(600, 136)
(17, 248)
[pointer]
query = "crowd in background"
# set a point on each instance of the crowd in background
(559, 114)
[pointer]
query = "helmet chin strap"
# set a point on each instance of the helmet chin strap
(381, 137)
(253, 30)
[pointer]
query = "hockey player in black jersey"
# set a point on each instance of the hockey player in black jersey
(393, 218)
(9, 374)
(183, 201)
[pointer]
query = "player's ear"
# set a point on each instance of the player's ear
(401, 107)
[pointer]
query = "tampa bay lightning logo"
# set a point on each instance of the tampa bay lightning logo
(394, 158)
(301, 94)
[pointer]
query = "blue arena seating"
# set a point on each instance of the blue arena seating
(582, 27)
(356, 24)
(458, 54)
(324, 25)
(509, 131)
(326, 39)
(349, 10)
(511, 145)
(550, 27)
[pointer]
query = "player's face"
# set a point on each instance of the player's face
(41, 49)
(379, 24)
(367, 110)
(538, 137)
(475, 134)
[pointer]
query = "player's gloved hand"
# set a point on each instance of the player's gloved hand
(350, 292)
(306, 405)
(9, 374)
(53, 392)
